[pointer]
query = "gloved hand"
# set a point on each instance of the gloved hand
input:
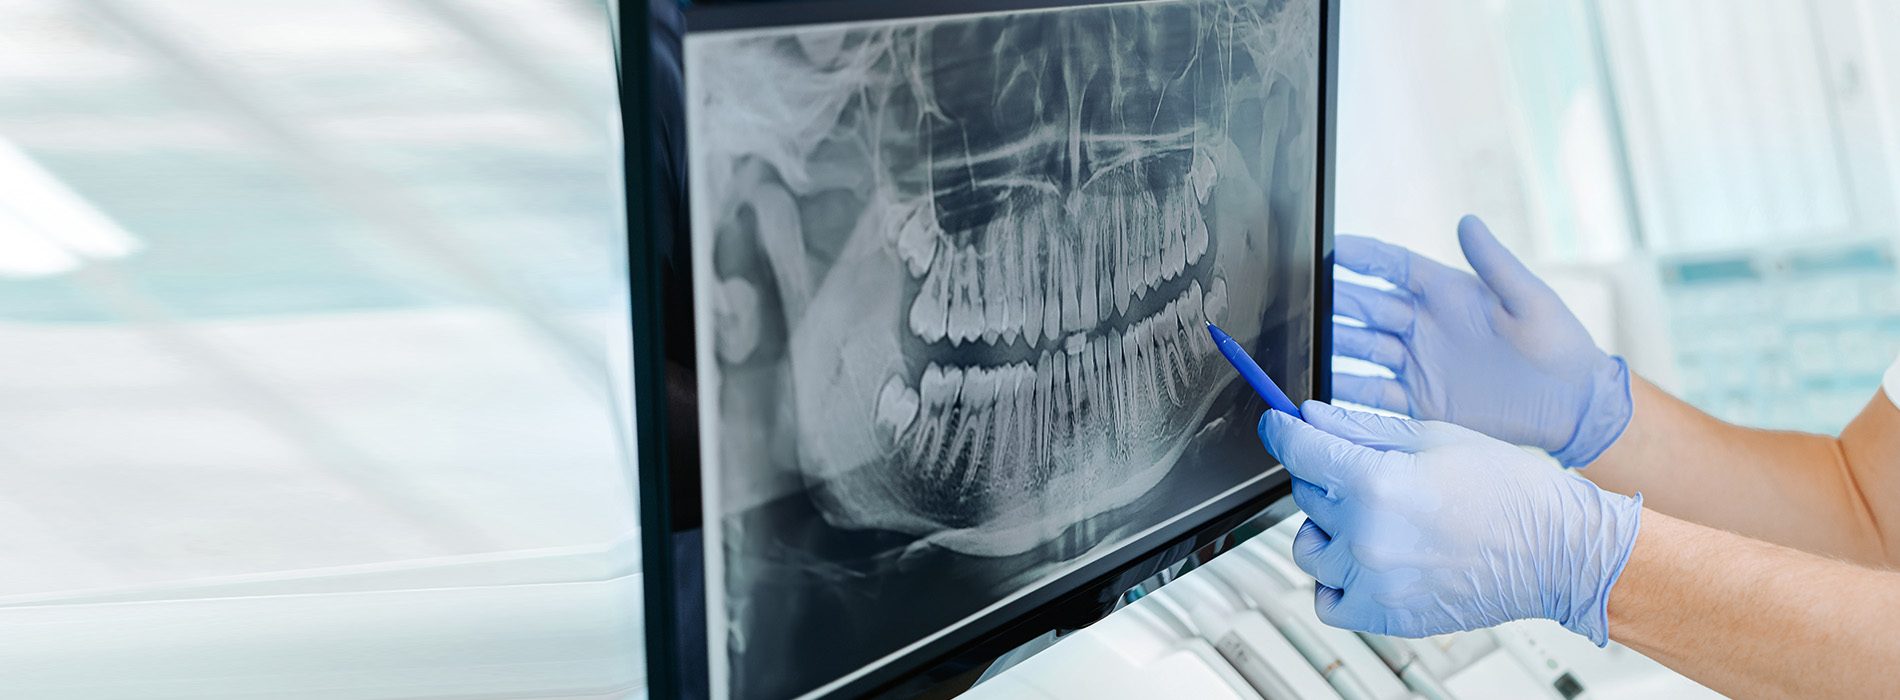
(1422, 528)
(1498, 353)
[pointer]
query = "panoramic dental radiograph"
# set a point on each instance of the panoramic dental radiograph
(951, 279)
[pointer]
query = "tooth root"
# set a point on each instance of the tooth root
(1099, 404)
(991, 290)
(1103, 282)
(1173, 365)
(1214, 305)
(1045, 410)
(1075, 315)
(1118, 383)
(1119, 222)
(1154, 366)
(1161, 329)
(1088, 294)
(1034, 288)
(940, 387)
(1151, 254)
(1139, 390)
(1051, 287)
(1078, 393)
(966, 303)
(1196, 236)
(897, 405)
(1005, 434)
(1011, 293)
(1141, 237)
(930, 311)
(972, 446)
(917, 237)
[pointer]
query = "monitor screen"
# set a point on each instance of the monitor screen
(949, 277)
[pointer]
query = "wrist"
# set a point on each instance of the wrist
(1602, 545)
(1605, 415)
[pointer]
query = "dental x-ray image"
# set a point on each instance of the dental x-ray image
(951, 276)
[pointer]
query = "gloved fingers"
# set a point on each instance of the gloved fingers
(1395, 264)
(1322, 510)
(1507, 276)
(1326, 601)
(1309, 453)
(1380, 310)
(1371, 429)
(1315, 554)
(1377, 347)
(1378, 392)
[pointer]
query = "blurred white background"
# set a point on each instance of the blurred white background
(1711, 184)
(306, 317)
(308, 310)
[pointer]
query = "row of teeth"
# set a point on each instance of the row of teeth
(966, 418)
(1025, 279)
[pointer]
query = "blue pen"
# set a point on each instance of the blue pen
(1250, 371)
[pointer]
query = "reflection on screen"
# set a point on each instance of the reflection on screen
(955, 275)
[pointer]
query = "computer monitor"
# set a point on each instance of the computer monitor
(920, 363)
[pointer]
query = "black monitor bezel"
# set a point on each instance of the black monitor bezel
(658, 260)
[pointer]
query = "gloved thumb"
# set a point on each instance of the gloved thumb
(1501, 271)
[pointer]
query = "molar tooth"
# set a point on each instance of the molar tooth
(1139, 389)
(1201, 175)
(1196, 236)
(966, 299)
(930, 311)
(917, 236)
(971, 444)
(1191, 314)
(940, 388)
(897, 405)
(1059, 404)
(1173, 238)
(1167, 355)
(1153, 364)
(1075, 343)
(1171, 364)
(1002, 426)
(1215, 303)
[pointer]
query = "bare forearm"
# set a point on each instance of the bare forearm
(1795, 489)
(1754, 620)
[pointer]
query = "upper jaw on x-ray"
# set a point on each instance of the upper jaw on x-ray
(1007, 339)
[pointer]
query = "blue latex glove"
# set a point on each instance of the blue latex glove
(1498, 353)
(1422, 528)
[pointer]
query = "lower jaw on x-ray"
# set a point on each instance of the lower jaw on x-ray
(953, 279)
